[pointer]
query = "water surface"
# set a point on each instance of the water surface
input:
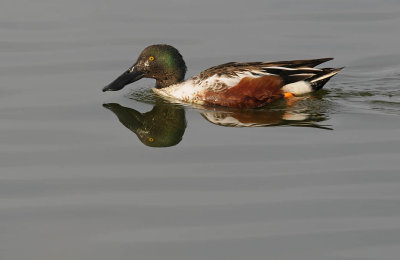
(82, 175)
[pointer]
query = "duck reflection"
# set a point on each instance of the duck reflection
(286, 116)
(306, 111)
(163, 126)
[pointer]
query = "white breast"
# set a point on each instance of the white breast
(185, 91)
(191, 90)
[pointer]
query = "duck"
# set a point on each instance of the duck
(233, 84)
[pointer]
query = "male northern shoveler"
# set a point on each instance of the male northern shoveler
(241, 85)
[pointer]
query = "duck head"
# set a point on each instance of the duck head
(161, 62)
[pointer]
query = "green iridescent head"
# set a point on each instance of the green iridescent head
(161, 62)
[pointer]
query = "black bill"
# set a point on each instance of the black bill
(128, 77)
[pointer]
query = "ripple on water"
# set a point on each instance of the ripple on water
(143, 94)
(368, 89)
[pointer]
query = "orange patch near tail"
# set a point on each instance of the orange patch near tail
(288, 95)
(248, 93)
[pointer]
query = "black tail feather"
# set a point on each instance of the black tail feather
(319, 80)
(312, 63)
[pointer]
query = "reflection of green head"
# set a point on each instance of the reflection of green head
(163, 126)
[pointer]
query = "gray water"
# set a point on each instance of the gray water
(318, 179)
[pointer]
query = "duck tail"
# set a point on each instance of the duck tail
(319, 80)
(312, 63)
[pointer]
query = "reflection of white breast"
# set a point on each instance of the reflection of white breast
(224, 119)
(228, 119)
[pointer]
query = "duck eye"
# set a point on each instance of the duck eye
(151, 139)
(151, 58)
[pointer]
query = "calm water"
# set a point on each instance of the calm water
(80, 178)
